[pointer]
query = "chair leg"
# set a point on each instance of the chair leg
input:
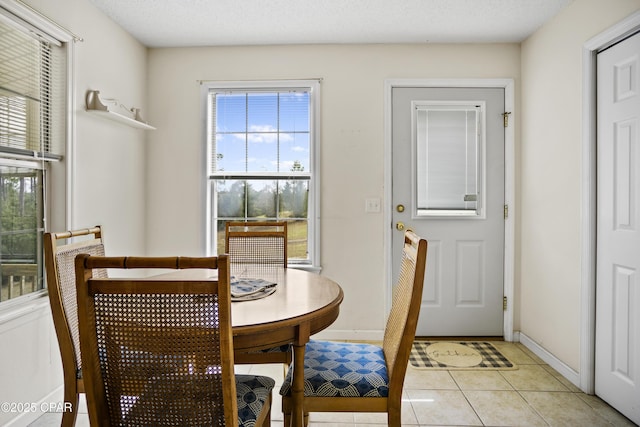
(69, 417)
(394, 417)
(264, 418)
(267, 421)
(287, 419)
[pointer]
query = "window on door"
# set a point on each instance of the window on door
(32, 135)
(449, 168)
(262, 161)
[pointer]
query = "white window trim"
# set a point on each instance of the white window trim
(34, 20)
(314, 161)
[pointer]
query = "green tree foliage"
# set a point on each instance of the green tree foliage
(295, 195)
(274, 199)
(19, 216)
(231, 201)
(263, 203)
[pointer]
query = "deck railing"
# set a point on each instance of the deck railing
(18, 279)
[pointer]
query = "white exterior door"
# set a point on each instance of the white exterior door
(448, 186)
(617, 376)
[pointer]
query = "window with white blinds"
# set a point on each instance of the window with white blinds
(32, 93)
(33, 123)
(262, 162)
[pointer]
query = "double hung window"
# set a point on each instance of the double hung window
(32, 135)
(262, 163)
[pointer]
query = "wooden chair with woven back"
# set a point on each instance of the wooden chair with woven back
(158, 351)
(59, 255)
(367, 377)
(257, 248)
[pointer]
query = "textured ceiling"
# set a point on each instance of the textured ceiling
(167, 23)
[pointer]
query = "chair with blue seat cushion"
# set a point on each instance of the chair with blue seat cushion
(355, 377)
(159, 351)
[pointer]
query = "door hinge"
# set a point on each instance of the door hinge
(506, 211)
(505, 116)
(504, 303)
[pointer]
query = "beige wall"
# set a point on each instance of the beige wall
(352, 145)
(109, 189)
(550, 175)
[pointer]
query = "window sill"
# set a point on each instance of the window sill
(23, 306)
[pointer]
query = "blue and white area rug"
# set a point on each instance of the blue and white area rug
(457, 355)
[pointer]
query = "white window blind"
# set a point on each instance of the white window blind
(32, 94)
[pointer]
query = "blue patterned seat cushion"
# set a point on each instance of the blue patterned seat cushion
(252, 392)
(339, 369)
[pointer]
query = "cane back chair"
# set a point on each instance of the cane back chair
(60, 253)
(159, 351)
(256, 249)
(353, 377)
(256, 245)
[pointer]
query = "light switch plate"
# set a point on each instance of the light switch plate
(372, 205)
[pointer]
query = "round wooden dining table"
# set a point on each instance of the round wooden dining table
(303, 304)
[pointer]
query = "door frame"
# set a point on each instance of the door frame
(590, 49)
(509, 181)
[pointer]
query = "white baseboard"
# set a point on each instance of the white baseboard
(50, 402)
(564, 370)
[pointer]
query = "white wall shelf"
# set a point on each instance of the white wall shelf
(96, 106)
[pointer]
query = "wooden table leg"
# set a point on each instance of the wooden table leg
(297, 385)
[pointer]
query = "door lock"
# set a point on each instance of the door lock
(400, 226)
(400, 208)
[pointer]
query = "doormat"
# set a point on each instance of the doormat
(457, 355)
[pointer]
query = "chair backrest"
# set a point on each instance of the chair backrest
(258, 244)
(61, 283)
(401, 325)
(157, 351)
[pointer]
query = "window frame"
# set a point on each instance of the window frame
(55, 172)
(313, 86)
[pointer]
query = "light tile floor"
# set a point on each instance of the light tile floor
(532, 395)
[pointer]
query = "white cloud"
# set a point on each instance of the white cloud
(266, 134)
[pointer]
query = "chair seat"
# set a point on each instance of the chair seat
(341, 369)
(253, 392)
(191, 399)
